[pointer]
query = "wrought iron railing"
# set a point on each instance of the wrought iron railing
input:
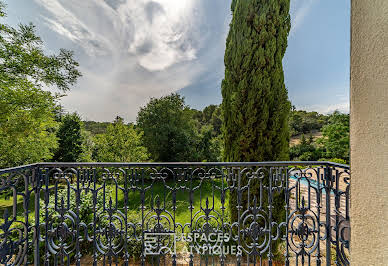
(175, 213)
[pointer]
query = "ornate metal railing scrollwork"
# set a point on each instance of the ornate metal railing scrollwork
(291, 213)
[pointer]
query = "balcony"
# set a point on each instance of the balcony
(175, 214)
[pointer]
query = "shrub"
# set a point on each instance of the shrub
(334, 160)
(86, 216)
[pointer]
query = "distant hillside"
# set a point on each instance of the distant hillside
(304, 122)
(96, 127)
(300, 122)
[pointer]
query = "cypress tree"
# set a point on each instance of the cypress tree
(255, 102)
(69, 139)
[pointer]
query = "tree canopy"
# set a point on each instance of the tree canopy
(174, 132)
(333, 145)
(336, 137)
(27, 121)
(70, 139)
(303, 122)
(169, 131)
(27, 125)
(120, 143)
(23, 58)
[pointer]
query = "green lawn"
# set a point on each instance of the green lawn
(182, 213)
(157, 189)
(8, 202)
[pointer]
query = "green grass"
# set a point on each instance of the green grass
(183, 214)
(8, 202)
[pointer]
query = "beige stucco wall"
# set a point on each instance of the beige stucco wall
(369, 132)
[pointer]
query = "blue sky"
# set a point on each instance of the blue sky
(130, 51)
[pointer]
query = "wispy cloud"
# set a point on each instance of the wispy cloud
(299, 10)
(132, 50)
(160, 33)
(343, 107)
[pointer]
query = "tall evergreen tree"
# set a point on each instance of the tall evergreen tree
(255, 102)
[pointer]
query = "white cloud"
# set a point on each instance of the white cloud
(130, 50)
(72, 26)
(123, 91)
(160, 33)
(299, 9)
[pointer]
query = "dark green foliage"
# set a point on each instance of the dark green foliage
(208, 112)
(336, 140)
(169, 131)
(302, 122)
(255, 103)
(120, 143)
(96, 127)
(334, 144)
(70, 139)
(174, 132)
(311, 138)
(86, 214)
(210, 146)
(209, 122)
(203, 127)
(212, 115)
(27, 125)
(233, 5)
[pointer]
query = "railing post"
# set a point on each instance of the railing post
(270, 208)
(36, 178)
(337, 198)
(328, 222)
(287, 200)
(239, 196)
(78, 254)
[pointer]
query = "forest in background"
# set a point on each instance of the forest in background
(313, 136)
